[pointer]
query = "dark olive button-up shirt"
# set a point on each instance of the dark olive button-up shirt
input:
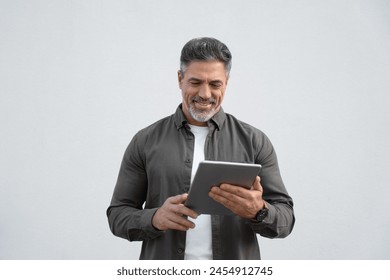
(157, 164)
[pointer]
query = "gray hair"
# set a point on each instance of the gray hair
(205, 49)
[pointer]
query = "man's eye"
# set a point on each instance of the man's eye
(217, 85)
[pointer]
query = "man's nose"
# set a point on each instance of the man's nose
(205, 92)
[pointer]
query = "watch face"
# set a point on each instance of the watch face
(262, 214)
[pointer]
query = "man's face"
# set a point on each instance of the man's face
(203, 88)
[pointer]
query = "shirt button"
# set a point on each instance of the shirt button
(180, 250)
(188, 161)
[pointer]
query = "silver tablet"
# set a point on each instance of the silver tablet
(214, 173)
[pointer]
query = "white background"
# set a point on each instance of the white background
(79, 78)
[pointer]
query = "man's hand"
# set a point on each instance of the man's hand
(171, 215)
(241, 201)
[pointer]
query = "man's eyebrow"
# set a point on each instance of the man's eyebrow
(193, 79)
(216, 81)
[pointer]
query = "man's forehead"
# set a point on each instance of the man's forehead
(202, 70)
(206, 64)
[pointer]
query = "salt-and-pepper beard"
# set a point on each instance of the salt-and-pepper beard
(202, 115)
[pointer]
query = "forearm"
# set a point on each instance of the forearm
(280, 219)
(279, 222)
(132, 224)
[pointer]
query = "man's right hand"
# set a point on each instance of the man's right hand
(172, 214)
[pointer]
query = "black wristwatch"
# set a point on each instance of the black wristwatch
(261, 215)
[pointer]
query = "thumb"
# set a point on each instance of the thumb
(256, 185)
(180, 198)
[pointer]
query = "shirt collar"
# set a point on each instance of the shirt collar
(218, 119)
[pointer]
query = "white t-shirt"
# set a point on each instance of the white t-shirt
(198, 240)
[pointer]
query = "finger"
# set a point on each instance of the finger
(219, 198)
(179, 223)
(176, 226)
(244, 207)
(165, 218)
(228, 190)
(175, 204)
(177, 199)
(181, 209)
(227, 199)
(170, 214)
(234, 206)
(257, 185)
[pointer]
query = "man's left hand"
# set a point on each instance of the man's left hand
(243, 202)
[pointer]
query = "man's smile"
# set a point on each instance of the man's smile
(202, 103)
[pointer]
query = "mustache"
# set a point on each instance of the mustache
(210, 100)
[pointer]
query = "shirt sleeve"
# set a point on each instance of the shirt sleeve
(280, 219)
(126, 216)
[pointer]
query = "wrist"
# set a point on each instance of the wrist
(262, 213)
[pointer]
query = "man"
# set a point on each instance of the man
(160, 162)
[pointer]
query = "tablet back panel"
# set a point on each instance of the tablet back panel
(214, 173)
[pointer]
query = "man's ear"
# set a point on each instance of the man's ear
(179, 78)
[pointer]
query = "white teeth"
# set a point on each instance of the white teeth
(203, 104)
